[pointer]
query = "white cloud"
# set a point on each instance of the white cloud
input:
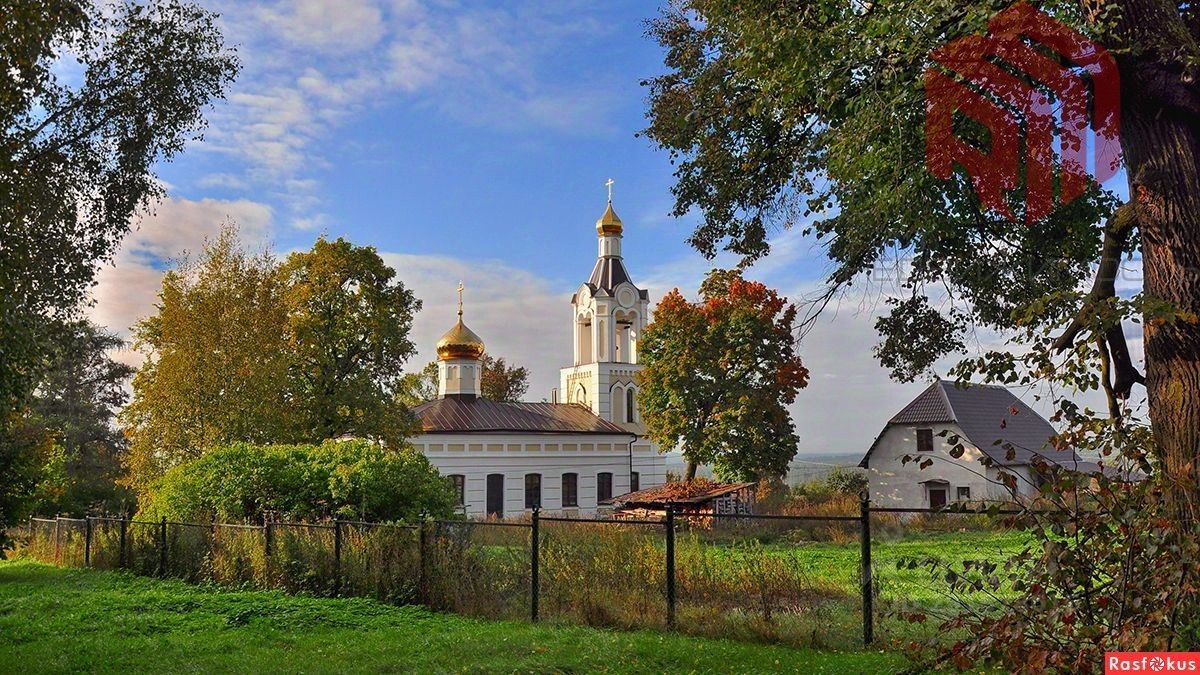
(338, 27)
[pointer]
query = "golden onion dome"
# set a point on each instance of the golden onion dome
(460, 342)
(608, 223)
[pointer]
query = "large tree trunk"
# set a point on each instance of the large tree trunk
(1159, 136)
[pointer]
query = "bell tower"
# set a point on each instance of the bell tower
(608, 314)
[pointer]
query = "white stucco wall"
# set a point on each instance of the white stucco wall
(894, 483)
(475, 456)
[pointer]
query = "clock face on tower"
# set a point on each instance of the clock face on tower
(625, 297)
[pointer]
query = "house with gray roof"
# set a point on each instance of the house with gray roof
(999, 432)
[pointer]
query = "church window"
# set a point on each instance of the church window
(635, 481)
(618, 405)
(533, 490)
(570, 489)
(581, 395)
(459, 482)
(603, 486)
(630, 407)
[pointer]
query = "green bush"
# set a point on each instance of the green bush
(847, 480)
(347, 479)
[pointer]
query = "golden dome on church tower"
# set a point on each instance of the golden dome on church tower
(460, 342)
(609, 223)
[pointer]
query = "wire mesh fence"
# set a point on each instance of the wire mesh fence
(829, 580)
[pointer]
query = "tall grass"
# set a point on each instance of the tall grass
(793, 582)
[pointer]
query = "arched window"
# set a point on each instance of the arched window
(603, 487)
(570, 490)
(533, 490)
(630, 406)
(459, 482)
(618, 403)
(581, 395)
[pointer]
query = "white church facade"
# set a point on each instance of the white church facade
(567, 455)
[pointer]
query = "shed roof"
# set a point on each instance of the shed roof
(475, 415)
(680, 492)
(992, 419)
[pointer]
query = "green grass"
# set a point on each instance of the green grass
(61, 620)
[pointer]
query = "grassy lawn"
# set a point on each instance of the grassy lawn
(55, 620)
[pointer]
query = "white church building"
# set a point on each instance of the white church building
(563, 456)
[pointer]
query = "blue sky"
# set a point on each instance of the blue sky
(470, 140)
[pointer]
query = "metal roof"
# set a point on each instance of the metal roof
(474, 415)
(992, 419)
(609, 273)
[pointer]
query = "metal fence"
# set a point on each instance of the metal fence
(743, 576)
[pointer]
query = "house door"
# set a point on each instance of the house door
(937, 497)
(495, 495)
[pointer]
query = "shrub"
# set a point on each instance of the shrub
(349, 479)
(847, 481)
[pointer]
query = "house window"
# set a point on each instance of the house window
(533, 490)
(630, 407)
(964, 493)
(459, 482)
(635, 481)
(570, 489)
(603, 486)
(924, 440)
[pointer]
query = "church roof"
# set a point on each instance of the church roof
(475, 415)
(991, 418)
(609, 273)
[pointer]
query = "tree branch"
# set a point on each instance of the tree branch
(1116, 239)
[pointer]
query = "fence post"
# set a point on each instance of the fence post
(87, 541)
(57, 552)
(268, 538)
(867, 585)
(124, 537)
(162, 547)
(670, 565)
(337, 556)
(534, 582)
(423, 561)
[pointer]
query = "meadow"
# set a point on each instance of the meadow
(784, 584)
(69, 620)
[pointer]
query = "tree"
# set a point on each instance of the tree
(417, 388)
(76, 403)
(719, 376)
(216, 367)
(94, 95)
(502, 382)
(347, 328)
(782, 112)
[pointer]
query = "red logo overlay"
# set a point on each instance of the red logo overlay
(1010, 82)
(1151, 662)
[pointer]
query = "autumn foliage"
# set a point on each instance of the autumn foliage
(719, 376)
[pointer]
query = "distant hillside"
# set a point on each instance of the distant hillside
(804, 468)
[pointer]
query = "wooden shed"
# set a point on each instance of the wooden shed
(699, 497)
